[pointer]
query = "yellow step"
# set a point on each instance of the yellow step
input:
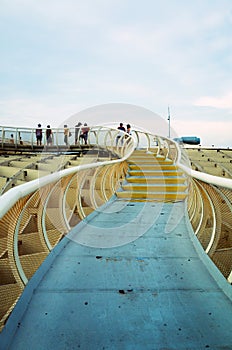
(158, 172)
(145, 151)
(146, 159)
(154, 188)
(156, 179)
(153, 178)
(162, 196)
(153, 167)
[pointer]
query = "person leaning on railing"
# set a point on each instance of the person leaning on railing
(84, 134)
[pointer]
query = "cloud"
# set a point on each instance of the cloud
(58, 57)
(62, 14)
(223, 102)
(29, 112)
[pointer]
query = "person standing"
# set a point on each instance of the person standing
(66, 134)
(49, 135)
(120, 134)
(128, 129)
(39, 135)
(85, 132)
(77, 132)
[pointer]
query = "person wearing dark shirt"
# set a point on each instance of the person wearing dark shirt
(77, 132)
(120, 134)
(39, 134)
(128, 129)
(49, 135)
(85, 131)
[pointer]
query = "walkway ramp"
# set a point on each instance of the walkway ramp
(132, 275)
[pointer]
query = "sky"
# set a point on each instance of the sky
(60, 57)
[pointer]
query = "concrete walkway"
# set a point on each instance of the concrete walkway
(131, 276)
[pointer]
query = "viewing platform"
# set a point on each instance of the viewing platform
(116, 248)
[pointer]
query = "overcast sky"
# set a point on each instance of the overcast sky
(58, 57)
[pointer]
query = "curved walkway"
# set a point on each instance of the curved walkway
(131, 276)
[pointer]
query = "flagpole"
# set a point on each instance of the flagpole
(169, 121)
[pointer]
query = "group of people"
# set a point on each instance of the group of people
(39, 135)
(81, 133)
(121, 135)
(13, 141)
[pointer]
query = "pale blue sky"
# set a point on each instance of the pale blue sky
(58, 57)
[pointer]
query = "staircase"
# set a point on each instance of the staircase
(153, 178)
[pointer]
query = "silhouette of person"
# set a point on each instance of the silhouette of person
(120, 134)
(39, 134)
(49, 135)
(85, 131)
(77, 132)
(66, 134)
(128, 129)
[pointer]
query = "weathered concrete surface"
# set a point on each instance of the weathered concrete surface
(151, 287)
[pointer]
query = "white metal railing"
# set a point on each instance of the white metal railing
(223, 187)
(15, 137)
(17, 198)
(99, 137)
(105, 138)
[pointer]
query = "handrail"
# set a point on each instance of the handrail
(111, 172)
(139, 139)
(210, 179)
(14, 194)
(179, 157)
(214, 221)
(219, 184)
(202, 212)
(158, 141)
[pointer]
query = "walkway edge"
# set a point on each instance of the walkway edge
(20, 308)
(223, 284)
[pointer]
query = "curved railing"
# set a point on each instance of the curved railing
(100, 136)
(17, 137)
(36, 215)
(210, 213)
